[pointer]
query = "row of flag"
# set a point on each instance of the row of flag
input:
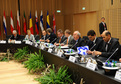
(30, 23)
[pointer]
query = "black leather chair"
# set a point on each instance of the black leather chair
(37, 37)
(86, 39)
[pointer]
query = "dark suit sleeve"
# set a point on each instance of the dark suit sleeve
(100, 28)
(106, 26)
(107, 54)
(12, 37)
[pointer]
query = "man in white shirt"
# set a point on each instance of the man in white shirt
(69, 37)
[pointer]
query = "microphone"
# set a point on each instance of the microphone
(53, 40)
(64, 41)
(73, 45)
(112, 54)
(92, 46)
(10, 37)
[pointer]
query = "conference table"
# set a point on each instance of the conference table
(76, 70)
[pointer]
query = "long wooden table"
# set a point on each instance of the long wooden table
(77, 70)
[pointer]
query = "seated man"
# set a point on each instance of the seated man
(94, 43)
(52, 37)
(29, 36)
(45, 36)
(69, 37)
(77, 41)
(15, 36)
(109, 46)
(61, 38)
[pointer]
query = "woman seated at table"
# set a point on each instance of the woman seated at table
(29, 36)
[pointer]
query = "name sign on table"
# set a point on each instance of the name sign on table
(28, 42)
(60, 53)
(91, 66)
(50, 50)
(82, 50)
(42, 47)
(2, 41)
(72, 58)
(17, 42)
(118, 75)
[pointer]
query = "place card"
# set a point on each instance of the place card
(50, 50)
(118, 75)
(17, 42)
(91, 66)
(2, 41)
(72, 58)
(59, 53)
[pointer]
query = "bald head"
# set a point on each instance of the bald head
(106, 36)
(76, 35)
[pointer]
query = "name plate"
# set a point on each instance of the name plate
(59, 53)
(2, 41)
(91, 66)
(17, 42)
(36, 44)
(118, 75)
(56, 50)
(42, 47)
(28, 42)
(72, 58)
(50, 50)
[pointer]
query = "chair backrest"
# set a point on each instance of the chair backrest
(22, 37)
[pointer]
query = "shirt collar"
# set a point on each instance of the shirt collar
(109, 40)
(94, 39)
(69, 36)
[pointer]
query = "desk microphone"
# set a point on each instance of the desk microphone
(92, 47)
(53, 40)
(10, 37)
(74, 45)
(64, 41)
(112, 54)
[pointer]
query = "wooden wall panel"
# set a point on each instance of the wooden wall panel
(80, 22)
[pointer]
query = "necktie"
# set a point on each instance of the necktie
(67, 40)
(106, 48)
(59, 40)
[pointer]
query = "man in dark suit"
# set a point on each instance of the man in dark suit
(15, 36)
(109, 46)
(52, 37)
(102, 26)
(61, 38)
(77, 41)
(44, 36)
(69, 37)
(94, 43)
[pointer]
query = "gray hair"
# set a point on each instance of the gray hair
(14, 32)
(78, 33)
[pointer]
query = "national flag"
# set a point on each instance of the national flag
(41, 21)
(25, 29)
(18, 23)
(48, 21)
(11, 22)
(54, 24)
(4, 24)
(36, 23)
(30, 24)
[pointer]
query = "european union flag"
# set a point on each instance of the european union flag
(82, 50)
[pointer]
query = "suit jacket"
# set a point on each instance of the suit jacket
(52, 37)
(70, 39)
(95, 46)
(15, 38)
(46, 37)
(102, 28)
(63, 38)
(112, 46)
(80, 43)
